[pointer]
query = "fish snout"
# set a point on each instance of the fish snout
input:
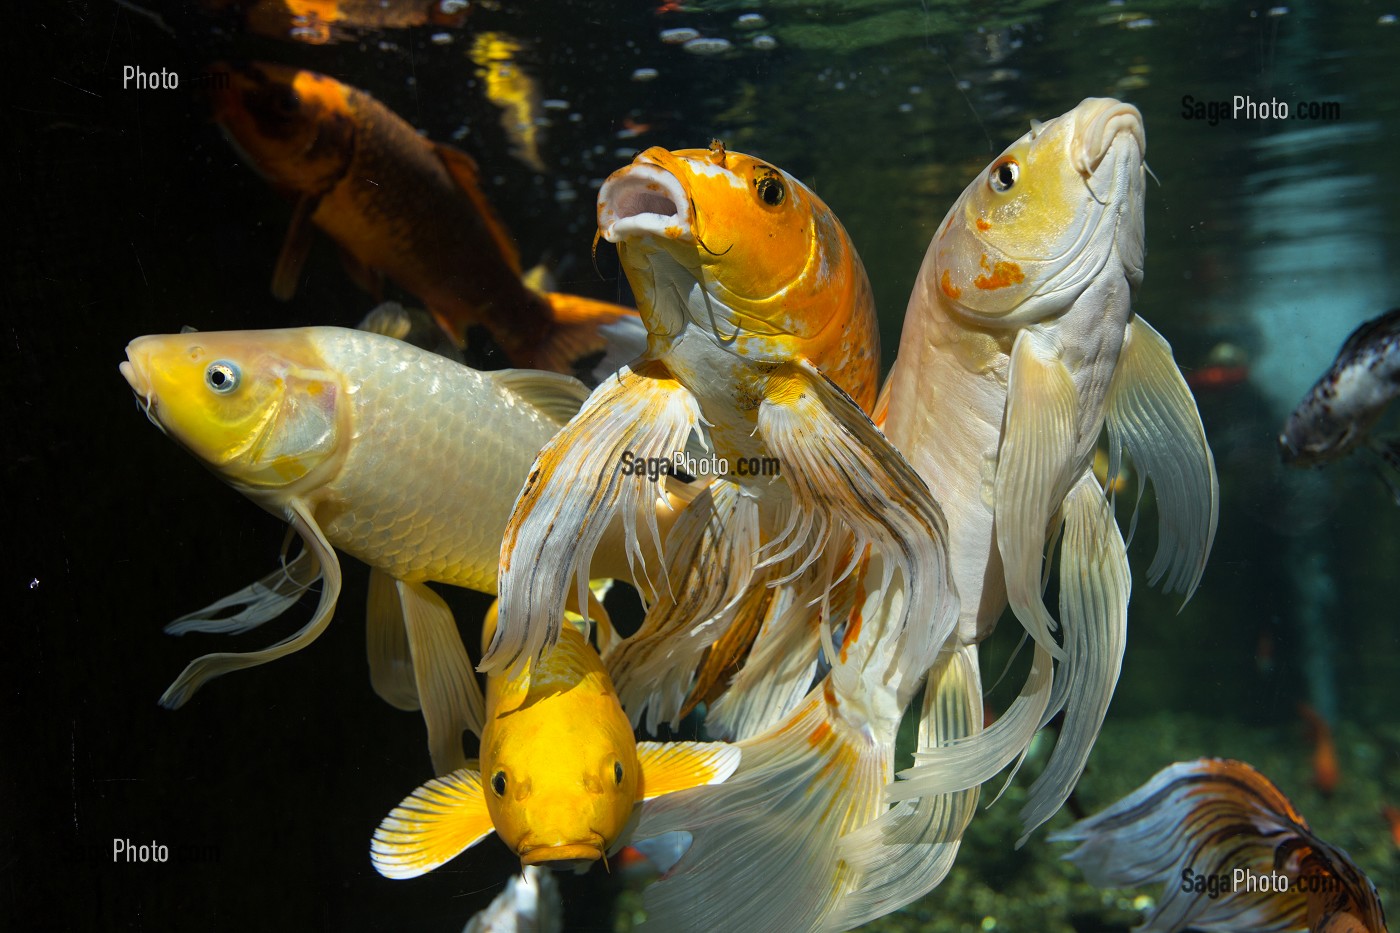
(1098, 122)
(563, 855)
(644, 199)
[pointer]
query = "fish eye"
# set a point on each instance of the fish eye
(222, 376)
(498, 783)
(771, 190)
(617, 771)
(1003, 175)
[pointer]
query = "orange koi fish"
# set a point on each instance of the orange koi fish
(1019, 348)
(762, 351)
(319, 22)
(562, 772)
(1327, 773)
(410, 209)
(1231, 852)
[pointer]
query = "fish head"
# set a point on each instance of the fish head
(1047, 217)
(560, 796)
(261, 408)
(294, 127)
(776, 272)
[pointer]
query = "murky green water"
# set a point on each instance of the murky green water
(131, 215)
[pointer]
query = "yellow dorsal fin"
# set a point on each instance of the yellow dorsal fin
(432, 826)
(671, 766)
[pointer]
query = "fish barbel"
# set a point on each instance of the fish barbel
(1019, 347)
(562, 772)
(761, 345)
(1195, 827)
(396, 456)
(402, 206)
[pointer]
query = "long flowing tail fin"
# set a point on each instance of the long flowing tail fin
(1209, 830)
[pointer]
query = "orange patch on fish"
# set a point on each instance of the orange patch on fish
(1003, 274)
(949, 289)
(820, 733)
(983, 225)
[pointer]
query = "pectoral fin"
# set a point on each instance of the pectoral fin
(261, 601)
(386, 642)
(575, 488)
(1152, 414)
(1037, 451)
(202, 670)
(671, 766)
(438, 821)
(1094, 587)
(447, 687)
(295, 248)
(842, 469)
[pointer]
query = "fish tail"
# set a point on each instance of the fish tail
(589, 339)
(767, 838)
(1199, 821)
(202, 670)
(909, 849)
(576, 487)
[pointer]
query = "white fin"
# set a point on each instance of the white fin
(668, 767)
(530, 904)
(840, 468)
(432, 826)
(575, 488)
(909, 849)
(386, 644)
(261, 601)
(709, 566)
(557, 396)
(966, 763)
(1037, 446)
(447, 687)
(1094, 587)
(201, 670)
(763, 854)
(1152, 414)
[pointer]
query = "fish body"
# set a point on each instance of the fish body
(1019, 348)
(319, 22)
(761, 345)
(394, 455)
(1215, 821)
(1337, 414)
(401, 206)
(559, 774)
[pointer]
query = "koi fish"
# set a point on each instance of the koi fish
(530, 903)
(1391, 815)
(1019, 347)
(1204, 829)
(1337, 414)
(410, 209)
(311, 424)
(1326, 772)
(562, 772)
(762, 346)
(511, 88)
(319, 22)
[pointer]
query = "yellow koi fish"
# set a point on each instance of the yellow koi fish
(1231, 852)
(1019, 347)
(396, 456)
(562, 772)
(762, 349)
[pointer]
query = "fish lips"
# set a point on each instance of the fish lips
(641, 200)
(562, 856)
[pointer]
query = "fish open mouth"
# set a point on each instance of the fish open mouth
(643, 199)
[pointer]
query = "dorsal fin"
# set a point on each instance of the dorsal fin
(557, 396)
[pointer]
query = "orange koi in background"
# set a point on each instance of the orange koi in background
(404, 207)
(1206, 828)
(1326, 772)
(322, 22)
(1392, 819)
